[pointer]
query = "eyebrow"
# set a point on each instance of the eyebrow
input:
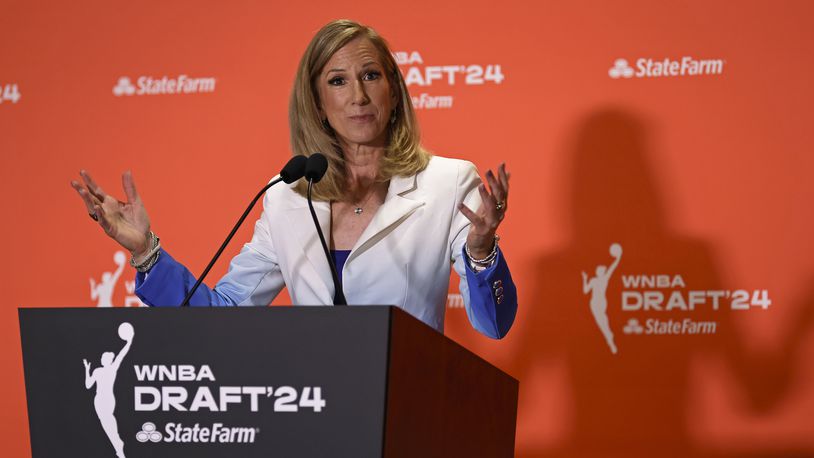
(365, 65)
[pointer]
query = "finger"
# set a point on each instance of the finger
(485, 195)
(129, 186)
(489, 202)
(499, 192)
(470, 215)
(85, 195)
(93, 188)
(490, 215)
(504, 177)
(495, 186)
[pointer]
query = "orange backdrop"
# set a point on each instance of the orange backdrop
(680, 131)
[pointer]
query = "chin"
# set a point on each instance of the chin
(366, 138)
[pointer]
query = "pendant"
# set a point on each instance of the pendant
(358, 210)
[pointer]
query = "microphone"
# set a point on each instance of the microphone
(294, 170)
(314, 171)
(315, 167)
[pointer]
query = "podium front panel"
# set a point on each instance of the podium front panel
(206, 382)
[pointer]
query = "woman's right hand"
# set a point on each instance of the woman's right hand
(125, 222)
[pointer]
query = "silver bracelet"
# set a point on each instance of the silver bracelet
(152, 256)
(485, 262)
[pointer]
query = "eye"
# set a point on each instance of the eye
(370, 76)
(336, 81)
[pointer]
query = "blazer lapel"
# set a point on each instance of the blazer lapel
(396, 208)
(300, 218)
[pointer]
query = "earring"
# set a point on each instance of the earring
(393, 117)
(326, 125)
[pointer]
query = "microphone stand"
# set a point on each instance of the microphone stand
(228, 239)
(339, 295)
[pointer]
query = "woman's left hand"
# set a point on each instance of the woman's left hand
(486, 220)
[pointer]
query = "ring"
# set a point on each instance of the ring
(499, 206)
(93, 217)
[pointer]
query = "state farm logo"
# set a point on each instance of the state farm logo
(426, 76)
(620, 69)
(633, 327)
(218, 433)
(653, 68)
(657, 299)
(147, 85)
(148, 433)
(124, 87)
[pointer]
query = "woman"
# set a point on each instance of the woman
(397, 217)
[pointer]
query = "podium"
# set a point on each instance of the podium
(361, 381)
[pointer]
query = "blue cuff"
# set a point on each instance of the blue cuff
(486, 289)
(168, 283)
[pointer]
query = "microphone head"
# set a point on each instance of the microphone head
(316, 167)
(294, 169)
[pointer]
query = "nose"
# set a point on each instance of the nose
(359, 95)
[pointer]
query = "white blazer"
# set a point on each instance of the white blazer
(402, 258)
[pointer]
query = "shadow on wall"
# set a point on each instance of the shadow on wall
(633, 403)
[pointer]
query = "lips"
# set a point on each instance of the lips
(363, 118)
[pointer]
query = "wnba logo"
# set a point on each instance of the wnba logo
(597, 286)
(104, 377)
(102, 290)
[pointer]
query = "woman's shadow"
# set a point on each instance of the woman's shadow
(633, 403)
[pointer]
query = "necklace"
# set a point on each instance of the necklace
(360, 207)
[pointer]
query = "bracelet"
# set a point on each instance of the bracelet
(481, 264)
(152, 256)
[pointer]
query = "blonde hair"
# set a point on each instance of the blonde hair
(404, 155)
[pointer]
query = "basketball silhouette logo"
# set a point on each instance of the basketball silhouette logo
(103, 378)
(597, 287)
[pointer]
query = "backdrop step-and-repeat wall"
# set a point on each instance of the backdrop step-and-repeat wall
(660, 225)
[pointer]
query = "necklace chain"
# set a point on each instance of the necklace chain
(359, 208)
